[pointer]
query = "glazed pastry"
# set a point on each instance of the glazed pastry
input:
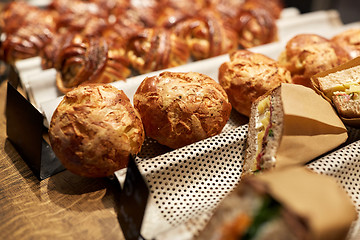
(178, 109)
(207, 35)
(25, 43)
(94, 129)
(228, 9)
(308, 54)
(254, 27)
(88, 60)
(350, 41)
(25, 31)
(248, 76)
(156, 48)
(274, 7)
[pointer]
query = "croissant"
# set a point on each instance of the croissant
(206, 35)
(308, 54)
(156, 48)
(88, 60)
(255, 27)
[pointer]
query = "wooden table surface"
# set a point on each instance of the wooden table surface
(64, 206)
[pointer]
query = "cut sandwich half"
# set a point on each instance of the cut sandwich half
(343, 89)
(265, 131)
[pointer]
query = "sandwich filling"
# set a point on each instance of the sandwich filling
(264, 131)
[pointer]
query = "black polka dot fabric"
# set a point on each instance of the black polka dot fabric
(188, 183)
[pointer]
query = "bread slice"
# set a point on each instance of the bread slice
(264, 135)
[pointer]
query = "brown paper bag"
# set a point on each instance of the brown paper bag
(311, 126)
(355, 122)
(317, 199)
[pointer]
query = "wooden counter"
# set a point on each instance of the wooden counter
(64, 206)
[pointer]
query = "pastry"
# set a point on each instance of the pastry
(94, 129)
(349, 40)
(308, 54)
(155, 49)
(249, 75)
(207, 35)
(178, 109)
(88, 60)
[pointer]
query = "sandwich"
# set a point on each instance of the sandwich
(341, 87)
(290, 125)
(284, 204)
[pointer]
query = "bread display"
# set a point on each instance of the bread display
(283, 205)
(349, 40)
(88, 60)
(308, 54)
(94, 130)
(289, 126)
(207, 35)
(249, 75)
(207, 27)
(155, 49)
(178, 109)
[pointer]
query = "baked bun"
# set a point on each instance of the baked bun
(94, 129)
(178, 109)
(350, 41)
(249, 75)
(308, 54)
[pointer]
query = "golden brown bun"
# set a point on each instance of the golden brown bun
(350, 41)
(308, 54)
(178, 109)
(95, 129)
(249, 75)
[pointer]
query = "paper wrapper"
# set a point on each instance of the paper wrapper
(311, 126)
(316, 199)
(355, 122)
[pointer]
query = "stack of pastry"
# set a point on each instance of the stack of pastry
(154, 34)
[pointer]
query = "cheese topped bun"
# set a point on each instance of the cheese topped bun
(178, 109)
(94, 130)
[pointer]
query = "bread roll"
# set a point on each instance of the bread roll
(249, 75)
(308, 54)
(349, 40)
(94, 130)
(178, 109)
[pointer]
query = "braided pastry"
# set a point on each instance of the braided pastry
(88, 60)
(207, 35)
(156, 48)
(255, 27)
